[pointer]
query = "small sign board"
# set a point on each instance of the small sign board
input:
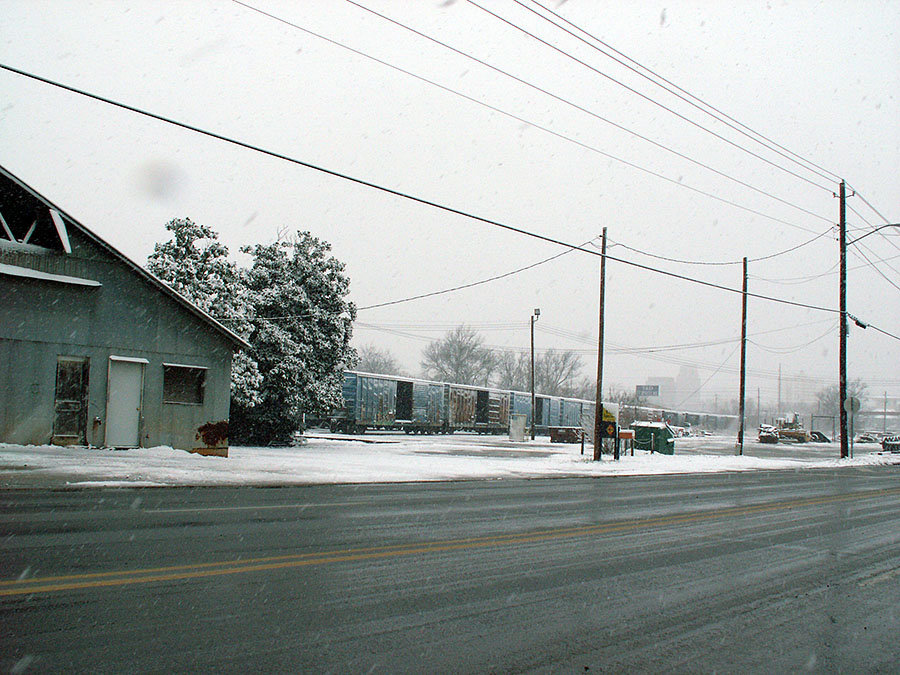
(610, 412)
(646, 390)
(851, 405)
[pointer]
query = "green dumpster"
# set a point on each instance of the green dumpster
(654, 436)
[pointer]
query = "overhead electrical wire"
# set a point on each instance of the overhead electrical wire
(711, 376)
(469, 285)
(867, 203)
(884, 261)
(723, 263)
(796, 348)
(654, 102)
(790, 281)
(884, 332)
(796, 281)
(523, 120)
(862, 254)
(684, 346)
(883, 234)
(613, 349)
(419, 200)
(687, 96)
(449, 326)
(581, 108)
(859, 215)
(869, 223)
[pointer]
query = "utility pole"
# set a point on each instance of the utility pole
(534, 318)
(778, 412)
(842, 359)
(758, 411)
(598, 410)
(743, 358)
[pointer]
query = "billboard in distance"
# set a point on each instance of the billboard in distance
(646, 390)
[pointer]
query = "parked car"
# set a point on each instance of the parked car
(819, 437)
(866, 438)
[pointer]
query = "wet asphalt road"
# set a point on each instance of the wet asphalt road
(776, 571)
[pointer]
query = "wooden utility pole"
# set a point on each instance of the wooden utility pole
(743, 358)
(842, 359)
(598, 410)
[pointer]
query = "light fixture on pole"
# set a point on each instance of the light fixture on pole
(534, 318)
(844, 326)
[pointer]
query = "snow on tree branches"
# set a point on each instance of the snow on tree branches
(289, 305)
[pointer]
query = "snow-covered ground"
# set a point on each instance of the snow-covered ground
(324, 458)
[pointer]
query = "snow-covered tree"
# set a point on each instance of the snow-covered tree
(513, 371)
(829, 398)
(301, 329)
(195, 264)
(375, 360)
(556, 373)
(460, 357)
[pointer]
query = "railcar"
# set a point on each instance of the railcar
(374, 401)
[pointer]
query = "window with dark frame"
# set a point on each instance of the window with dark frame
(183, 384)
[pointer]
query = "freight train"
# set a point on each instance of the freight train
(373, 401)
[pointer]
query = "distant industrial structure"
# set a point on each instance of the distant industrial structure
(94, 350)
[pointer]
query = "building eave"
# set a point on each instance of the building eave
(232, 337)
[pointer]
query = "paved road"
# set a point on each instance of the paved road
(750, 572)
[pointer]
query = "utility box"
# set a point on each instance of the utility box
(517, 424)
(654, 436)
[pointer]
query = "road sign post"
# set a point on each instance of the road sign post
(851, 407)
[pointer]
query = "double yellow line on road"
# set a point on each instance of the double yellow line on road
(52, 584)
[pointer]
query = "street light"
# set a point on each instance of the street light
(534, 318)
(880, 227)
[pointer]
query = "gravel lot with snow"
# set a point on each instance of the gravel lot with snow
(373, 458)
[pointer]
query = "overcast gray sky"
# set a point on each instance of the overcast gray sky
(820, 78)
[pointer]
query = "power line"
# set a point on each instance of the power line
(797, 348)
(878, 258)
(884, 332)
(448, 326)
(676, 347)
(730, 262)
(874, 267)
(547, 330)
(883, 235)
(410, 197)
(712, 375)
(794, 281)
(867, 203)
(595, 115)
(801, 280)
(523, 120)
(650, 100)
(469, 285)
(716, 114)
(859, 215)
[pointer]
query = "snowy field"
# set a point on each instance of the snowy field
(327, 458)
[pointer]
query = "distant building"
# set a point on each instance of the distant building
(687, 388)
(94, 350)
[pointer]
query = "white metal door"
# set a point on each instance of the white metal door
(123, 403)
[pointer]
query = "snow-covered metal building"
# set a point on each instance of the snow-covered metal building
(94, 350)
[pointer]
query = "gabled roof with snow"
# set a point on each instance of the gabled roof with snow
(30, 221)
